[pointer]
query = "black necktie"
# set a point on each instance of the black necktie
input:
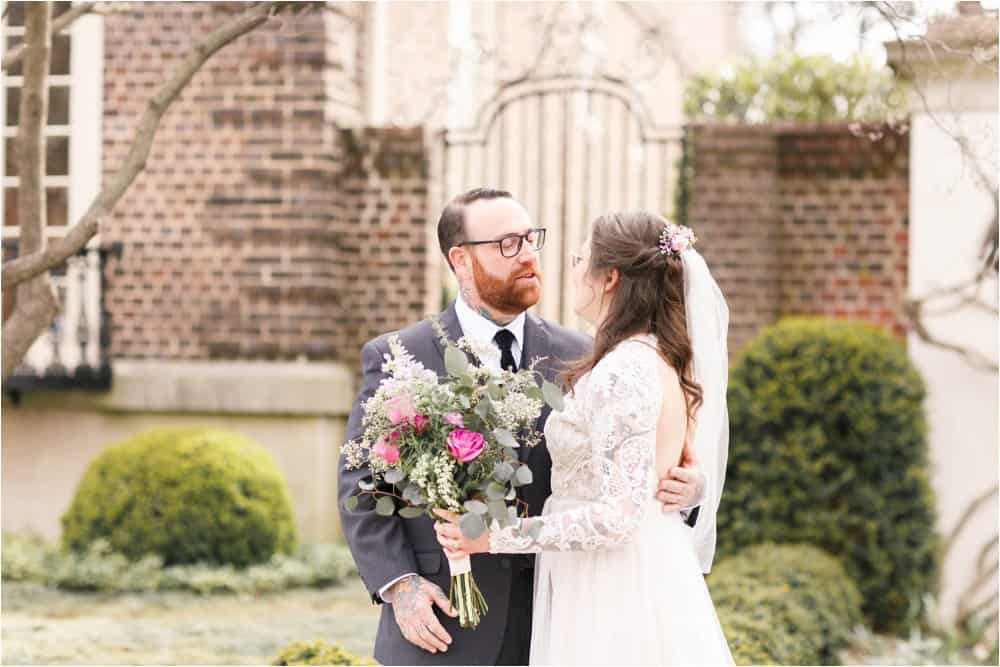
(504, 339)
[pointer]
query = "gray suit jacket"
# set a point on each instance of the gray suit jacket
(386, 548)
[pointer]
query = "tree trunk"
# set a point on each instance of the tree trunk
(36, 299)
(37, 303)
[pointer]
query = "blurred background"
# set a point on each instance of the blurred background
(245, 220)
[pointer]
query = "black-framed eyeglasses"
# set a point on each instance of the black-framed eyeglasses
(511, 244)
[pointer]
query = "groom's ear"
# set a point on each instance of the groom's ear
(457, 257)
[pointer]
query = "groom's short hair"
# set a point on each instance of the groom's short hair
(451, 224)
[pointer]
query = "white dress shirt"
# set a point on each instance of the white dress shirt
(477, 328)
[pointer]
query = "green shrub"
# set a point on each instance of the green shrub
(795, 87)
(973, 643)
(98, 568)
(318, 652)
(785, 605)
(829, 448)
(186, 495)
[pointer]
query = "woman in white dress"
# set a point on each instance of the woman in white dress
(618, 581)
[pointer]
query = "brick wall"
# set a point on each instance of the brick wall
(246, 236)
(802, 220)
(733, 208)
(384, 241)
(844, 223)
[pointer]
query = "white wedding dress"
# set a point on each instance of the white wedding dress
(617, 581)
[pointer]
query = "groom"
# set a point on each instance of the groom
(491, 246)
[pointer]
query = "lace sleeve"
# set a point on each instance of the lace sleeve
(622, 401)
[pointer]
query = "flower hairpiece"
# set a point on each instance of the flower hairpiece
(676, 238)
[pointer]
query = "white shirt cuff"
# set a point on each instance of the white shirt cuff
(382, 591)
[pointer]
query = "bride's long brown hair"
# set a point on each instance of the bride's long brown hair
(649, 297)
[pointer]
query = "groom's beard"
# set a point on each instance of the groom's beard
(509, 295)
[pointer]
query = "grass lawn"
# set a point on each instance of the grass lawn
(44, 625)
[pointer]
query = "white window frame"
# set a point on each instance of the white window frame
(81, 284)
(85, 129)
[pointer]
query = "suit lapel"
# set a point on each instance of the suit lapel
(536, 345)
(449, 320)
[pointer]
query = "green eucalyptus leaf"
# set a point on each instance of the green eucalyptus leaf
(455, 362)
(498, 509)
(394, 476)
(503, 471)
(351, 503)
(505, 438)
(411, 512)
(384, 506)
(413, 495)
(484, 408)
(496, 491)
(365, 485)
(553, 396)
(475, 506)
(472, 525)
(534, 392)
(523, 475)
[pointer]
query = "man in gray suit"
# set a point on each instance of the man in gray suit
(490, 244)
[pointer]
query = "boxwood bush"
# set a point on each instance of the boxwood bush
(829, 447)
(785, 605)
(186, 495)
(318, 652)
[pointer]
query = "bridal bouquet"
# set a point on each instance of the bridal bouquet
(449, 443)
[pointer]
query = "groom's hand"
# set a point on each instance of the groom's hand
(683, 486)
(413, 601)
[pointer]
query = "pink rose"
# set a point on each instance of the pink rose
(400, 408)
(455, 419)
(465, 445)
(386, 451)
(420, 422)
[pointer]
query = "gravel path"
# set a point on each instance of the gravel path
(45, 626)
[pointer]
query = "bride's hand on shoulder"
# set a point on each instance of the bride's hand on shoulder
(455, 544)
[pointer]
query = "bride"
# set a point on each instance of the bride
(618, 581)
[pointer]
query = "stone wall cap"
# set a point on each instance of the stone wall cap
(235, 387)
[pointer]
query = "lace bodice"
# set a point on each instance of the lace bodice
(603, 449)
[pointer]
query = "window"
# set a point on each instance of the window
(57, 129)
(72, 180)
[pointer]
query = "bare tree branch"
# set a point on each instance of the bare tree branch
(36, 298)
(26, 323)
(25, 267)
(30, 143)
(967, 515)
(16, 54)
(658, 32)
(983, 577)
(915, 309)
(912, 312)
